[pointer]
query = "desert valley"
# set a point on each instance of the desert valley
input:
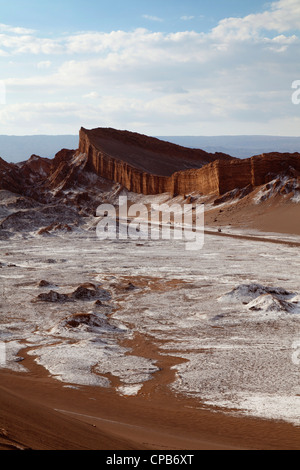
(141, 344)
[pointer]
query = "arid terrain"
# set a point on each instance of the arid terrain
(141, 344)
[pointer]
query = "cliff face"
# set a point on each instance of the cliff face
(145, 154)
(255, 171)
(149, 166)
(143, 165)
(198, 170)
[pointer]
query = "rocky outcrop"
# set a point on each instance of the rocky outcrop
(143, 153)
(66, 170)
(36, 168)
(255, 171)
(23, 177)
(84, 292)
(141, 164)
(146, 165)
(120, 157)
(10, 177)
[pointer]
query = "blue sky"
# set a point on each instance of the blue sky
(193, 67)
(107, 15)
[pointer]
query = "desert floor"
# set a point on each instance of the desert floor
(161, 348)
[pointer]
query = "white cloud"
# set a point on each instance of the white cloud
(44, 64)
(206, 112)
(2, 93)
(153, 18)
(282, 16)
(236, 75)
(92, 95)
(30, 44)
(187, 18)
(4, 28)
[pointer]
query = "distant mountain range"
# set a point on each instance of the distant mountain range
(241, 146)
(19, 148)
(15, 149)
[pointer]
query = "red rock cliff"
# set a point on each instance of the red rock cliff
(142, 165)
(256, 170)
(150, 166)
(146, 165)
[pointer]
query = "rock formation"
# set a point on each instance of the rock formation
(140, 164)
(146, 165)
(10, 178)
(150, 166)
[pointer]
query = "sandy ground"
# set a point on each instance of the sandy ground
(276, 216)
(37, 412)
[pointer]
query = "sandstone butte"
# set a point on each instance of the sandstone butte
(144, 165)
(149, 166)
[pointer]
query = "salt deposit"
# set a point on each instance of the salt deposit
(194, 306)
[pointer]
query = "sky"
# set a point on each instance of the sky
(171, 67)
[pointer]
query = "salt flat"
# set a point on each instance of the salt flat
(230, 310)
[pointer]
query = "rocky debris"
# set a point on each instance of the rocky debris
(85, 322)
(282, 185)
(130, 286)
(258, 298)
(63, 227)
(90, 293)
(270, 303)
(190, 199)
(248, 292)
(44, 283)
(234, 195)
(84, 292)
(21, 203)
(43, 231)
(45, 216)
(53, 297)
(87, 319)
(54, 228)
